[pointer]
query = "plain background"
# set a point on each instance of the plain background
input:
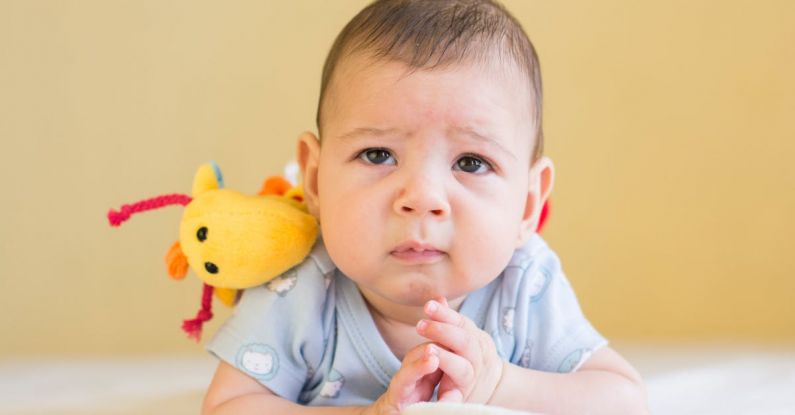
(670, 123)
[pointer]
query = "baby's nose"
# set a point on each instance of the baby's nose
(436, 212)
(422, 196)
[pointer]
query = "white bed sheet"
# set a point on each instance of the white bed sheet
(717, 378)
(693, 379)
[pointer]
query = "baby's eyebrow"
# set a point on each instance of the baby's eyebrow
(367, 131)
(465, 130)
(469, 132)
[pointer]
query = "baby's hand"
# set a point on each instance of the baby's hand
(414, 382)
(468, 358)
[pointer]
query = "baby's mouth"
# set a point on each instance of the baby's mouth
(417, 252)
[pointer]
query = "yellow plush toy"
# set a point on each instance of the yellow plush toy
(230, 240)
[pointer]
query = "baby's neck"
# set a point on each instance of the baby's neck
(400, 336)
(397, 323)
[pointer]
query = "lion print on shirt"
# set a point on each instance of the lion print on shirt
(258, 360)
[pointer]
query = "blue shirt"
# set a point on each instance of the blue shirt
(308, 336)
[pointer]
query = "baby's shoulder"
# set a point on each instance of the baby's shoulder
(530, 271)
(292, 312)
(304, 287)
(533, 256)
(318, 260)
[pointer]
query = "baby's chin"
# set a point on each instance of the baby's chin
(412, 287)
(419, 291)
(404, 290)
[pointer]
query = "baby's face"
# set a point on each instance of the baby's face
(423, 179)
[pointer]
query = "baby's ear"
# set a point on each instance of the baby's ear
(308, 160)
(542, 179)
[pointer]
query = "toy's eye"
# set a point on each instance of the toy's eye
(210, 267)
(201, 234)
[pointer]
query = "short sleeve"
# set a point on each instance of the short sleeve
(278, 330)
(539, 322)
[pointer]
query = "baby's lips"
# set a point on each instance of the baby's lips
(417, 246)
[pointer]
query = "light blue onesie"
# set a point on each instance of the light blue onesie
(308, 336)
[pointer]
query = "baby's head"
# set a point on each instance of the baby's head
(427, 172)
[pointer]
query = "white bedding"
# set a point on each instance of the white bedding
(681, 380)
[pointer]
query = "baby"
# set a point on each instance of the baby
(429, 281)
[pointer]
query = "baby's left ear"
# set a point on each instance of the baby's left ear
(542, 178)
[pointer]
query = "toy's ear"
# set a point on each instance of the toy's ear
(208, 177)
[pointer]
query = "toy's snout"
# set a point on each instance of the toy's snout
(201, 236)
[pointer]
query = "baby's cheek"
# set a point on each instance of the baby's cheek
(483, 257)
(350, 241)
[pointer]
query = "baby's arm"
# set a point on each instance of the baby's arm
(604, 384)
(233, 392)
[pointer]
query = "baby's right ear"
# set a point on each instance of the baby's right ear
(308, 159)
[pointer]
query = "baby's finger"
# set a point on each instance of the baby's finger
(458, 369)
(421, 361)
(450, 336)
(440, 311)
(417, 353)
(424, 361)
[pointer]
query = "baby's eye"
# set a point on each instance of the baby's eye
(472, 164)
(377, 156)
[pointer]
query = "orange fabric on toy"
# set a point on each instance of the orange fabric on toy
(176, 262)
(275, 186)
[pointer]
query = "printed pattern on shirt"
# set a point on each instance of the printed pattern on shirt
(508, 314)
(282, 284)
(258, 360)
(539, 285)
(333, 385)
(527, 353)
(574, 360)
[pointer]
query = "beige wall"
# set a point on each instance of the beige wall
(671, 124)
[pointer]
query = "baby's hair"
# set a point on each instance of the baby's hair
(426, 34)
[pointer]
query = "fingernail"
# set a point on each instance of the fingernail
(432, 350)
(422, 325)
(432, 306)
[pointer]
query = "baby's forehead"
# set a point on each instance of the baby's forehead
(494, 65)
(366, 83)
